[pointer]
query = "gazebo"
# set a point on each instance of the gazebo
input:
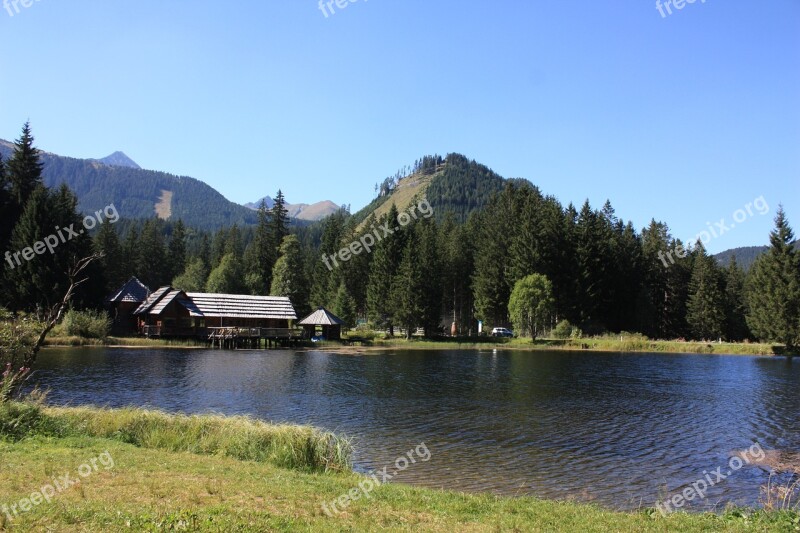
(331, 324)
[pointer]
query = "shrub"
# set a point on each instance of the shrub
(565, 330)
(89, 324)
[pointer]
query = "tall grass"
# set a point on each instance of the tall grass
(244, 438)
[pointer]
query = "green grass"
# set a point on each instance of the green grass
(239, 437)
(128, 342)
(164, 488)
(614, 343)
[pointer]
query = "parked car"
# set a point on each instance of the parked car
(502, 332)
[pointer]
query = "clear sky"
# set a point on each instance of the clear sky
(685, 118)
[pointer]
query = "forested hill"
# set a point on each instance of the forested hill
(138, 193)
(454, 184)
(745, 256)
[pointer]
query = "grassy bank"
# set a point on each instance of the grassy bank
(121, 342)
(617, 343)
(161, 480)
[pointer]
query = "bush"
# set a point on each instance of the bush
(89, 324)
(565, 330)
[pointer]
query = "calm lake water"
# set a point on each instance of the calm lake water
(619, 430)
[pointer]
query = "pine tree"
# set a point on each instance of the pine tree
(260, 256)
(176, 253)
(705, 310)
(151, 257)
(407, 301)
(113, 261)
(774, 288)
(24, 169)
(6, 207)
(288, 277)
(344, 306)
(736, 329)
(386, 258)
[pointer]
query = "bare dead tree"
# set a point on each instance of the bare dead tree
(54, 314)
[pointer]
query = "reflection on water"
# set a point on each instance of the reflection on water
(621, 430)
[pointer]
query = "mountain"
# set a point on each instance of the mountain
(309, 212)
(453, 184)
(268, 201)
(745, 256)
(118, 159)
(138, 193)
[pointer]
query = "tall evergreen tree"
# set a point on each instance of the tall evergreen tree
(106, 241)
(386, 259)
(288, 278)
(260, 256)
(705, 310)
(176, 252)
(24, 169)
(151, 258)
(735, 303)
(774, 288)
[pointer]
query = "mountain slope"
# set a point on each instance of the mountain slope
(454, 184)
(746, 255)
(138, 193)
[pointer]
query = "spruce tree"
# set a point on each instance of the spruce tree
(705, 310)
(260, 255)
(106, 241)
(288, 277)
(774, 288)
(24, 169)
(735, 303)
(386, 258)
(176, 254)
(151, 259)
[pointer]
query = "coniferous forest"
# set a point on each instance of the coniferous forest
(492, 242)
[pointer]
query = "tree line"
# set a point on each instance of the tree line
(589, 267)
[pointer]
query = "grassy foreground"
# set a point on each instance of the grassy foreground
(239, 480)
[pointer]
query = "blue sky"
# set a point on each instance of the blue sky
(685, 118)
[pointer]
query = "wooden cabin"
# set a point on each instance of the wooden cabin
(122, 304)
(170, 312)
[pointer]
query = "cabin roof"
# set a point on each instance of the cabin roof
(243, 306)
(321, 317)
(133, 291)
(201, 304)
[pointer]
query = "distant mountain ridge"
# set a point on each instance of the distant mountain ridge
(118, 159)
(139, 193)
(309, 212)
(745, 255)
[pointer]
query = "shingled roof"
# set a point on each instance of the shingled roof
(220, 305)
(321, 317)
(133, 291)
(242, 306)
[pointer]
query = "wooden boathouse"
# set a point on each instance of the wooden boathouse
(225, 320)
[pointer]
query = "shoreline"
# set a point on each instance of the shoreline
(632, 345)
(171, 471)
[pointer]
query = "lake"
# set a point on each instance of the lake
(621, 430)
